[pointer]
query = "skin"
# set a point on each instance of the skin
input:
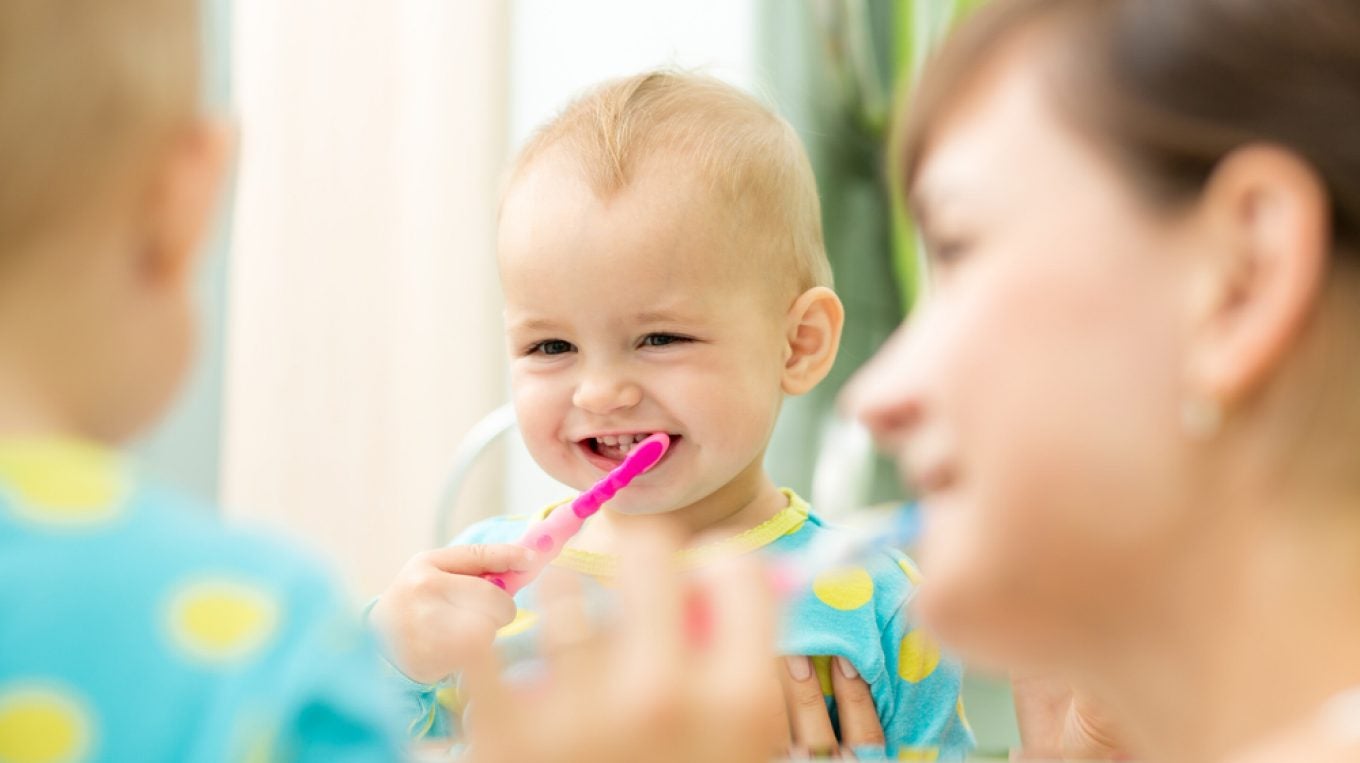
(645, 311)
(654, 695)
(1239, 277)
(625, 316)
(118, 285)
(1076, 529)
(641, 313)
(998, 402)
(441, 592)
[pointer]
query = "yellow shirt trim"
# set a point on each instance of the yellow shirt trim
(61, 481)
(787, 521)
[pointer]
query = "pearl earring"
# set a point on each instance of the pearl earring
(1201, 417)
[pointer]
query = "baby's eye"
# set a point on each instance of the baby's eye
(550, 347)
(662, 340)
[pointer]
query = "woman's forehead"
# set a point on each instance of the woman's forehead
(1000, 127)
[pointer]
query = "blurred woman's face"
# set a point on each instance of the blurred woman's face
(1034, 397)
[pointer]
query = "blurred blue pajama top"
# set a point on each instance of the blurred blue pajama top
(135, 627)
(856, 612)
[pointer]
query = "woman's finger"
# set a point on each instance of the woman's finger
(741, 618)
(653, 612)
(808, 716)
(780, 727)
(859, 722)
(732, 628)
(481, 683)
(569, 637)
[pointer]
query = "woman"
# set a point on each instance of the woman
(1130, 399)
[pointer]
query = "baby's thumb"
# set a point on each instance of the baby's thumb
(476, 559)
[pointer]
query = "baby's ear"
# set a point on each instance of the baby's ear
(183, 199)
(813, 332)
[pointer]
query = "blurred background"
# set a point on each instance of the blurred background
(351, 315)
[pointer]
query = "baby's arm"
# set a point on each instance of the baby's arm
(927, 718)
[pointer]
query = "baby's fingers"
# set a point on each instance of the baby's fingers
(477, 559)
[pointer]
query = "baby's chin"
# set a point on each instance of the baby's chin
(635, 502)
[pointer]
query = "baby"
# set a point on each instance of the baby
(661, 254)
(134, 626)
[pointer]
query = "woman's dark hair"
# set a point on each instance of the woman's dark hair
(1173, 86)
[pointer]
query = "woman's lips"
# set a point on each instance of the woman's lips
(931, 479)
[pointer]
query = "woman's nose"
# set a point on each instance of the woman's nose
(885, 395)
(605, 391)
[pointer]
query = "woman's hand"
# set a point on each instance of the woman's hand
(808, 729)
(647, 689)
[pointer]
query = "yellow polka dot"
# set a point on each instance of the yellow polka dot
(918, 657)
(909, 569)
(821, 665)
(43, 724)
(918, 753)
(451, 698)
(848, 588)
(221, 620)
(258, 747)
(62, 482)
(524, 620)
(963, 717)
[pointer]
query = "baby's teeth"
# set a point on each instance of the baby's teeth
(624, 442)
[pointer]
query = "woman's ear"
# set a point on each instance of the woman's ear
(183, 198)
(1269, 219)
(813, 332)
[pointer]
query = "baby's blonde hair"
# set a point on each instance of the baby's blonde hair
(89, 90)
(749, 156)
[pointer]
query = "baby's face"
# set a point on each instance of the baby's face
(634, 315)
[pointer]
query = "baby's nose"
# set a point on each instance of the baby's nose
(605, 393)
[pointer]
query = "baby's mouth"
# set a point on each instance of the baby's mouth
(617, 447)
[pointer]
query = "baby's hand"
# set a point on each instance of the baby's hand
(438, 609)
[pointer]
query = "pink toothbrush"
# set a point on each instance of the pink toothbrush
(547, 536)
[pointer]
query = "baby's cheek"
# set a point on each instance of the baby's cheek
(540, 420)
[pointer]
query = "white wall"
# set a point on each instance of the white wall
(363, 334)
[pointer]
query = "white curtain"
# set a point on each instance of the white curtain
(363, 332)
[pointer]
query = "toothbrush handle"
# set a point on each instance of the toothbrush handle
(546, 538)
(548, 535)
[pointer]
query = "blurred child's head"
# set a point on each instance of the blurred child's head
(109, 177)
(661, 254)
